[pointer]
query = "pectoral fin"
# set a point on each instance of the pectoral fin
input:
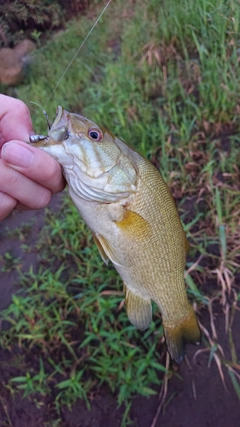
(134, 224)
(103, 254)
(139, 310)
(106, 250)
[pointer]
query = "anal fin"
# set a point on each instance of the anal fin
(139, 310)
(182, 333)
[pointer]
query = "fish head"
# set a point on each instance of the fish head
(91, 157)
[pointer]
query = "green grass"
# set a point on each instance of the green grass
(166, 82)
(67, 317)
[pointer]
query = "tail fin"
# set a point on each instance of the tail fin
(178, 335)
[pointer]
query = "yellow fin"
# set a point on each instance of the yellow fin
(134, 223)
(177, 336)
(106, 250)
(103, 254)
(139, 310)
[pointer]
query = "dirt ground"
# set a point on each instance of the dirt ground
(199, 399)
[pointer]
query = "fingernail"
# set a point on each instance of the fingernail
(17, 155)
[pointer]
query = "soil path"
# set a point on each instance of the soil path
(12, 244)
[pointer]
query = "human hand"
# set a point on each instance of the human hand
(28, 176)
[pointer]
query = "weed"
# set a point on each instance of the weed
(10, 262)
(32, 383)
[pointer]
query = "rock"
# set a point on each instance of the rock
(12, 62)
(24, 48)
(10, 67)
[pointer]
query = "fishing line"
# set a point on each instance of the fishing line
(78, 50)
(44, 112)
(35, 137)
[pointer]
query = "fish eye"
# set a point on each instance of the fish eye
(95, 134)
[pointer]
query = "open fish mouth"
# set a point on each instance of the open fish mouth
(57, 131)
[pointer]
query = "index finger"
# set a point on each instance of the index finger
(34, 164)
(15, 120)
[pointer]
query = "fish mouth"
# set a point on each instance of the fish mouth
(60, 114)
(57, 133)
(59, 129)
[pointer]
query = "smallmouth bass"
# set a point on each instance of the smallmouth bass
(134, 220)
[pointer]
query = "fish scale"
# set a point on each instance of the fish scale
(166, 260)
(135, 223)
